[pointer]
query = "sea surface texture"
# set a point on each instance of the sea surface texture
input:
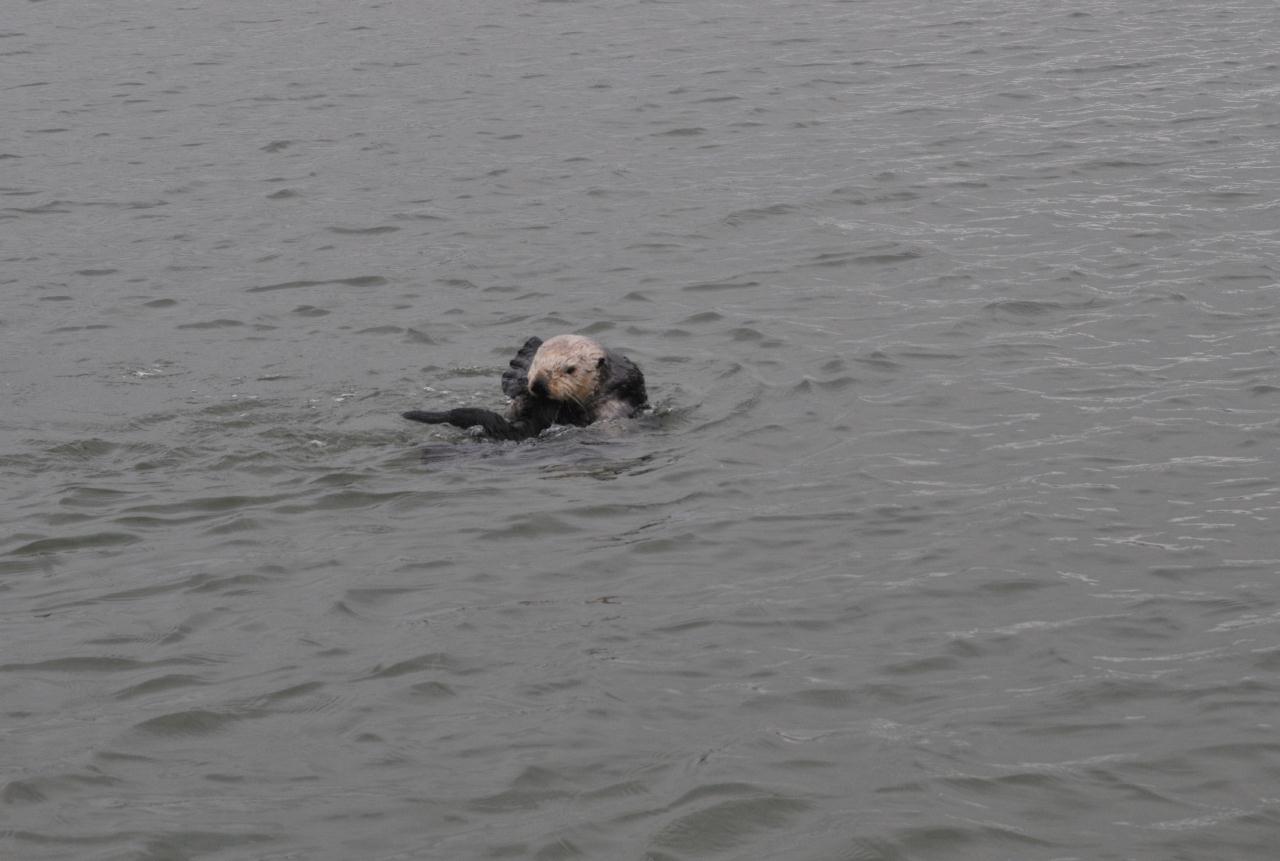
(953, 533)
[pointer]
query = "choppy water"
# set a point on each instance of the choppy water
(953, 534)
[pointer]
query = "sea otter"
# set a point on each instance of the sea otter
(566, 380)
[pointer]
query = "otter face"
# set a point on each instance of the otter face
(567, 368)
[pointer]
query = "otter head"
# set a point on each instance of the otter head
(567, 368)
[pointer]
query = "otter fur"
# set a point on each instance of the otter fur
(565, 380)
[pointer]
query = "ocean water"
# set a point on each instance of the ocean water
(952, 533)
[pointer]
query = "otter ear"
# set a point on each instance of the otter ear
(600, 361)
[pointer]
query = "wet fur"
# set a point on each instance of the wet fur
(543, 393)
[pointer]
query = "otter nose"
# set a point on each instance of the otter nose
(539, 387)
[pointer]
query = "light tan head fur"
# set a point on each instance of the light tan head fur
(569, 367)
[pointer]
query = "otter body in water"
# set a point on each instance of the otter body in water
(566, 380)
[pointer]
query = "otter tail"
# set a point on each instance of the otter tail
(528, 425)
(465, 417)
(530, 416)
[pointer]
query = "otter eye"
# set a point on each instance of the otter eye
(571, 369)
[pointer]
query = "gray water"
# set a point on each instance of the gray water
(952, 534)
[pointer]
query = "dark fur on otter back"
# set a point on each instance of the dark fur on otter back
(620, 392)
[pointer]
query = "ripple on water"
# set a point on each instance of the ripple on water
(700, 822)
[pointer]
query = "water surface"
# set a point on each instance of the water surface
(951, 534)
